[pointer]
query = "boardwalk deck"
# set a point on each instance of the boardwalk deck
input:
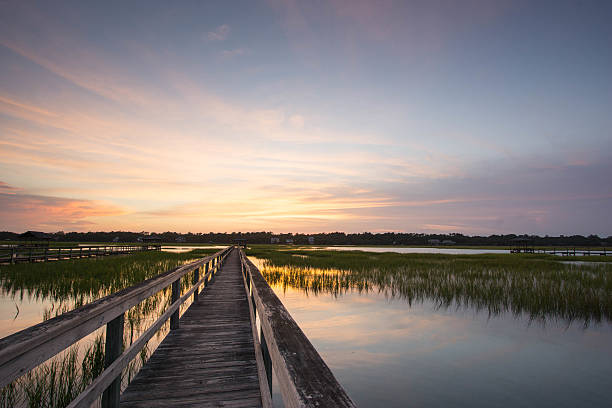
(209, 361)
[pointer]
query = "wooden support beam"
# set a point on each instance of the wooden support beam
(176, 294)
(267, 360)
(113, 349)
(196, 278)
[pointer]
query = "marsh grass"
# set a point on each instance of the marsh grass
(70, 284)
(535, 286)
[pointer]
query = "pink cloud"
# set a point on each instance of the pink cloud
(7, 189)
(27, 211)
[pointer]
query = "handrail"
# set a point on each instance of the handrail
(264, 373)
(24, 350)
(304, 378)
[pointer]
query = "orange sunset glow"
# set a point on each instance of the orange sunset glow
(283, 116)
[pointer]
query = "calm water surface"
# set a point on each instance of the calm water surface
(387, 353)
(182, 248)
(400, 250)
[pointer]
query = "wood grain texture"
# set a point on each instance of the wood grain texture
(24, 350)
(303, 377)
(209, 361)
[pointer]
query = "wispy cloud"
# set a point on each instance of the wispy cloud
(233, 53)
(176, 137)
(219, 34)
(20, 211)
(7, 189)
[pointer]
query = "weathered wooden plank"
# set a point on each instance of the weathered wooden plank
(22, 351)
(304, 378)
(113, 347)
(265, 383)
(233, 399)
(176, 294)
(209, 360)
(88, 396)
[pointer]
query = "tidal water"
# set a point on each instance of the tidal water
(423, 250)
(186, 248)
(388, 353)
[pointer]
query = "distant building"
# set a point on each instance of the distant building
(116, 239)
(180, 239)
(289, 241)
(433, 241)
(448, 242)
(311, 240)
(275, 240)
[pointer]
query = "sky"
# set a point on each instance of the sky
(476, 117)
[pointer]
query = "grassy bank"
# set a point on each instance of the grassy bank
(533, 285)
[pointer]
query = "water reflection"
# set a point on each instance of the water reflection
(32, 293)
(567, 293)
(419, 250)
(178, 249)
(387, 351)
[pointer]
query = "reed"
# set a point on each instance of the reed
(537, 287)
(73, 283)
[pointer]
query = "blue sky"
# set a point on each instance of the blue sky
(477, 117)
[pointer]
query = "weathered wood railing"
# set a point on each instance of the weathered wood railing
(28, 348)
(304, 378)
(17, 253)
(563, 251)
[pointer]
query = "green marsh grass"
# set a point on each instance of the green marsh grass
(69, 284)
(536, 286)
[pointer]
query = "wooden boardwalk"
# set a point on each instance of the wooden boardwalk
(209, 361)
(214, 356)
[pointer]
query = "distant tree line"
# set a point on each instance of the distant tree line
(332, 238)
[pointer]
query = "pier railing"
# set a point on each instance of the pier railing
(559, 251)
(282, 347)
(36, 253)
(23, 351)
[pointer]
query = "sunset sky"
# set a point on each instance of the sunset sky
(477, 117)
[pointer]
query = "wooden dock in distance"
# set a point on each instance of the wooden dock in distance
(562, 251)
(11, 254)
(209, 360)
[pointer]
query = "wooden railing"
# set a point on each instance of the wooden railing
(24, 253)
(303, 377)
(28, 348)
(562, 251)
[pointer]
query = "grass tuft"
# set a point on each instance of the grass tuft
(532, 285)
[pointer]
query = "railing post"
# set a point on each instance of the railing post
(196, 278)
(205, 273)
(267, 360)
(12, 255)
(176, 294)
(252, 295)
(113, 349)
